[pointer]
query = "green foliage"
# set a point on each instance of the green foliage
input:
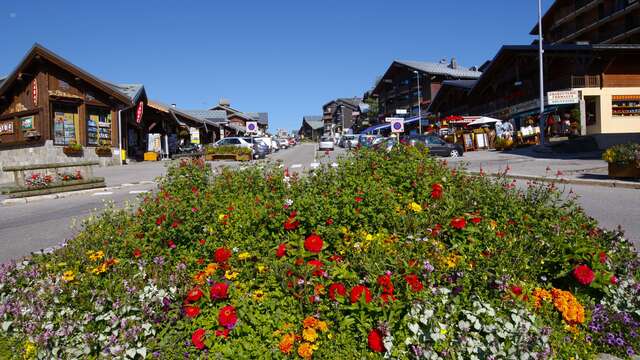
(228, 149)
(623, 154)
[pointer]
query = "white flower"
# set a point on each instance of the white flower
(288, 202)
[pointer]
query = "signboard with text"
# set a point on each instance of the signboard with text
(563, 97)
(391, 119)
(6, 127)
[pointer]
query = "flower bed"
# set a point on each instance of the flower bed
(389, 254)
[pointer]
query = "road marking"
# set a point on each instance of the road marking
(127, 184)
(138, 191)
(314, 165)
(295, 166)
(102, 193)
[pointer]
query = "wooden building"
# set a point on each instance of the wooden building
(340, 114)
(312, 127)
(237, 120)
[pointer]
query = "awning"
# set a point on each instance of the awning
(238, 128)
(484, 120)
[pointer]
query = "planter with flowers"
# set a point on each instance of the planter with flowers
(388, 255)
(623, 160)
(104, 150)
(73, 149)
(237, 153)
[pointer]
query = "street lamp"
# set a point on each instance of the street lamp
(540, 52)
(419, 101)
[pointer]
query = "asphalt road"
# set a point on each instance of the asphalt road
(25, 228)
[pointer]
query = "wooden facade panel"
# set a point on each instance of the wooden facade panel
(621, 80)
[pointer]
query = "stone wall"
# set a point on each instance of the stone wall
(47, 153)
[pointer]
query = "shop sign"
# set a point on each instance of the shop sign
(34, 92)
(401, 111)
(139, 111)
(195, 135)
(397, 126)
(392, 119)
(6, 127)
(563, 97)
(252, 127)
(26, 123)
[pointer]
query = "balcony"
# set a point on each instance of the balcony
(586, 81)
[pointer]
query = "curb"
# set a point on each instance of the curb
(602, 183)
(62, 195)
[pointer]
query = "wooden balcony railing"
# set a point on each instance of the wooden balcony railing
(585, 81)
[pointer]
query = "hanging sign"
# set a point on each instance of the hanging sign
(392, 119)
(563, 97)
(252, 127)
(6, 127)
(397, 126)
(34, 92)
(139, 111)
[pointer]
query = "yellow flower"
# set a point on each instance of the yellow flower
(493, 224)
(261, 268)
(244, 255)
(220, 217)
(305, 350)
(99, 269)
(310, 322)
(322, 326)
(344, 230)
(30, 350)
(231, 275)
(443, 331)
(415, 207)
(258, 295)
(309, 334)
(68, 276)
(369, 237)
(95, 255)
(210, 269)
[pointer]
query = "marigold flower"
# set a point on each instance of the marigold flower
(286, 343)
(322, 326)
(309, 334)
(310, 322)
(571, 310)
(305, 350)
(95, 255)
(211, 268)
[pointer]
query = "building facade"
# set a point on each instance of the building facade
(312, 127)
(591, 22)
(340, 115)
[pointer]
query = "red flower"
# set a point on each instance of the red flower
(436, 191)
(414, 282)
(171, 244)
(197, 337)
(602, 257)
(336, 289)
(194, 295)
(313, 243)
(613, 280)
(222, 255)
(385, 282)
(359, 199)
(299, 261)
(161, 219)
(317, 265)
(500, 234)
(191, 311)
(137, 253)
(329, 221)
(202, 241)
(358, 291)
(516, 290)
(436, 229)
(375, 341)
(291, 223)
(175, 224)
(200, 261)
(583, 274)
(458, 223)
(223, 333)
(219, 291)
(282, 250)
(335, 258)
(476, 220)
(227, 317)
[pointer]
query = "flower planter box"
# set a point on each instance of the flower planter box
(104, 152)
(237, 157)
(628, 171)
(72, 152)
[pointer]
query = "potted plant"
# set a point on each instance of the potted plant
(73, 149)
(104, 150)
(624, 160)
(228, 153)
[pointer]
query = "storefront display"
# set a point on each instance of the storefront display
(65, 124)
(625, 105)
(99, 127)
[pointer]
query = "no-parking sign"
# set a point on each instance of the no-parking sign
(397, 125)
(252, 126)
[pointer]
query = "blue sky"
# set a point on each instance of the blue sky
(284, 57)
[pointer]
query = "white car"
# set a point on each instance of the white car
(233, 141)
(284, 143)
(326, 143)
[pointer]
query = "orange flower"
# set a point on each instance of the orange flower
(539, 295)
(305, 350)
(286, 343)
(310, 322)
(571, 310)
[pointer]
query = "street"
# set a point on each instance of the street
(29, 227)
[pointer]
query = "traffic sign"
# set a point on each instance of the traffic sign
(252, 127)
(397, 125)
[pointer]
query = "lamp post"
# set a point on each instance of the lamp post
(419, 101)
(540, 52)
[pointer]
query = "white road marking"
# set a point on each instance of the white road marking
(127, 184)
(314, 165)
(138, 191)
(295, 166)
(103, 193)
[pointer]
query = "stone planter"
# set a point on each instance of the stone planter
(72, 152)
(236, 157)
(626, 171)
(104, 152)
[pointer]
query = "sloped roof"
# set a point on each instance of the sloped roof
(133, 91)
(236, 127)
(216, 116)
(2, 78)
(261, 117)
(176, 111)
(40, 51)
(441, 69)
(465, 84)
(314, 121)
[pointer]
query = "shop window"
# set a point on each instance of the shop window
(65, 124)
(98, 126)
(625, 105)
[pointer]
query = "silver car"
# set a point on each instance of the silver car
(326, 143)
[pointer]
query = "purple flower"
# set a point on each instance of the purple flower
(428, 267)
(158, 260)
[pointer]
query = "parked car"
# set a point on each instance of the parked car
(366, 140)
(284, 143)
(348, 141)
(386, 144)
(260, 148)
(292, 142)
(273, 147)
(326, 143)
(436, 145)
(236, 141)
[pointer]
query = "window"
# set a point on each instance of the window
(234, 141)
(65, 124)
(625, 105)
(98, 126)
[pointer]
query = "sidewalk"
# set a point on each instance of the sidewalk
(131, 173)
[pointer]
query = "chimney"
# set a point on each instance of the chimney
(173, 106)
(443, 61)
(454, 63)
